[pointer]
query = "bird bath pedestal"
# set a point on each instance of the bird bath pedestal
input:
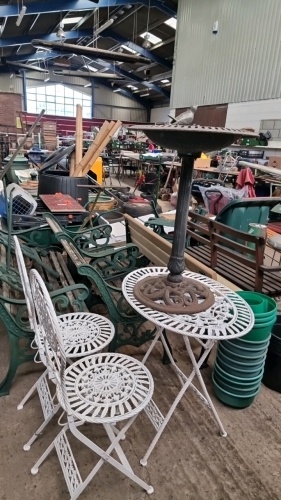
(175, 294)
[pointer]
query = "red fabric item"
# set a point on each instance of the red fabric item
(246, 178)
(216, 201)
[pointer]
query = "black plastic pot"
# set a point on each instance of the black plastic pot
(58, 181)
(272, 369)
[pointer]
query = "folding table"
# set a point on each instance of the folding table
(229, 317)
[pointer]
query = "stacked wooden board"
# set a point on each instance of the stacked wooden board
(80, 165)
(49, 135)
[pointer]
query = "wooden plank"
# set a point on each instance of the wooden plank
(72, 164)
(98, 139)
(78, 135)
(61, 203)
(68, 276)
(63, 281)
(101, 146)
(158, 249)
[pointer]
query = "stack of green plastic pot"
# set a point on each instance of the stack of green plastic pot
(240, 362)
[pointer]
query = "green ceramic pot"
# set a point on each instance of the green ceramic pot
(260, 332)
(269, 308)
(238, 356)
(243, 364)
(250, 344)
(255, 301)
(236, 390)
(240, 380)
(245, 351)
(244, 371)
(231, 399)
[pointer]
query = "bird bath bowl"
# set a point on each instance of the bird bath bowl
(174, 294)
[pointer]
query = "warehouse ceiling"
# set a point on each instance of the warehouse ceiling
(146, 28)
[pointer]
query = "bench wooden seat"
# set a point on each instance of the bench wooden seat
(157, 249)
(66, 296)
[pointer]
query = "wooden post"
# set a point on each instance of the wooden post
(78, 135)
(72, 164)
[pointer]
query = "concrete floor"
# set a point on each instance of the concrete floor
(191, 461)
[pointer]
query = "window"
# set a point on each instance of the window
(57, 99)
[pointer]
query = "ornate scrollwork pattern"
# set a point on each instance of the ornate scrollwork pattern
(107, 387)
(186, 297)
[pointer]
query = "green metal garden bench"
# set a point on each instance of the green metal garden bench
(66, 295)
(104, 280)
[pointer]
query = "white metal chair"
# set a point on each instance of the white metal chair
(82, 334)
(104, 388)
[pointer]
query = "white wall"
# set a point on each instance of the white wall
(250, 114)
(239, 63)
(159, 115)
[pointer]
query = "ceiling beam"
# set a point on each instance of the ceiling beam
(144, 52)
(51, 55)
(52, 37)
(114, 68)
(134, 78)
(145, 103)
(40, 7)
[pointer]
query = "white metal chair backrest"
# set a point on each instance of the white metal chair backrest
(48, 322)
(25, 285)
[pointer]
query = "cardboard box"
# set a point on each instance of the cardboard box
(274, 162)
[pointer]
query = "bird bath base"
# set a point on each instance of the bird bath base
(175, 294)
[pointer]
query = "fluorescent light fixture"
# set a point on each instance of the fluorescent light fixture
(90, 68)
(165, 80)
(21, 15)
(152, 38)
(88, 85)
(117, 90)
(132, 87)
(129, 49)
(47, 78)
(172, 22)
(60, 32)
(144, 95)
(72, 20)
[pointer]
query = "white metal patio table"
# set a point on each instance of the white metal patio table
(228, 318)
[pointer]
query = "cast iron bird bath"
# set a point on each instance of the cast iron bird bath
(175, 294)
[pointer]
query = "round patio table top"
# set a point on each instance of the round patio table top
(229, 317)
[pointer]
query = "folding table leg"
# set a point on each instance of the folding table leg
(153, 412)
(202, 383)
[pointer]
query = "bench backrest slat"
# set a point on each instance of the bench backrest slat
(158, 250)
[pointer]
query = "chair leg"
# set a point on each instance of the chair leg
(27, 446)
(69, 467)
(49, 409)
(31, 391)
